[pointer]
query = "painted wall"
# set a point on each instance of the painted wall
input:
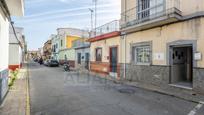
(15, 50)
(4, 41)
(105, 45)
(70, 53)
(55, 42)
(160, 36)
(15, 55)
(83, 52)
(64, 32)
(70, 39)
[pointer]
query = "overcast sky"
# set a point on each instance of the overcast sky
(43, 17)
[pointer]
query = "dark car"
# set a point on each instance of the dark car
(35, 59)
(53, 63)
(40, 61)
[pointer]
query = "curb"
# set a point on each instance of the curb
(152, 90)
(27, 91)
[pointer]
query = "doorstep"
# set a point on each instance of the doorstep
(182, 85)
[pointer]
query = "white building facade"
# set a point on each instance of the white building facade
(55, 46)
(7, 8)
(16, 48)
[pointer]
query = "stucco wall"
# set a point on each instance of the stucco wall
(160, 36)
(69, 40)
(15, 54)
(69, 52)
(105, 45)
(15, 50)
(4, 42)
(83, 54)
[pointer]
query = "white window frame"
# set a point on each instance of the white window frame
(134, 52)
(151, 7)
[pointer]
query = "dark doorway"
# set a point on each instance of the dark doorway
(87, 56)
(79, 58)
(113, 59)
(181, 64)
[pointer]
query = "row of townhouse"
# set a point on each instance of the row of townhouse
(158, 44)
(64, 45)
(8, 8)
(47, 51)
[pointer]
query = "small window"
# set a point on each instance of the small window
(142, 54)
(99, 54)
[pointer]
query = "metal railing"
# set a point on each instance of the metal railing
(106, 28)
(144, 12)
(80, 43)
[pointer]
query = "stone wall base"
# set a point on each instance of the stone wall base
(103, 68)
(157, 78)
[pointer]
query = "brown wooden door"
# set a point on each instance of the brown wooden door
(113, 59)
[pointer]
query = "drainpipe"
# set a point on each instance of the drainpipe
(123, 36)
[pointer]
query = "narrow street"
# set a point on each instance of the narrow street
(54, 92)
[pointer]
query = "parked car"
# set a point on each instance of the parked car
(46, 62)
(52, 63)
(35, 59)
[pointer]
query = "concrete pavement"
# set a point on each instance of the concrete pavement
(15, 101)
(55, 92)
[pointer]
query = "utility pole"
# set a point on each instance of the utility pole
(95, 1)
(91, 10)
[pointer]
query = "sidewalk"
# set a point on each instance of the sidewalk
(198, 98)
(15, 101)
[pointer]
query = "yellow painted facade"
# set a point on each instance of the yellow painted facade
(191, 29)
(105, 45)
(160, 36)
(70, 39)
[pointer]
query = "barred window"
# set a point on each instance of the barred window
(142, 54)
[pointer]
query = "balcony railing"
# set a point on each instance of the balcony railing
(150, 10)
(80, 43)
(106, 28)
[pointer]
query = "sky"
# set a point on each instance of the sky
(43, 17)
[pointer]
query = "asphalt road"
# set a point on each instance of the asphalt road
(55, 92)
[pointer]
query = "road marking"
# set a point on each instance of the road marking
(193, 112)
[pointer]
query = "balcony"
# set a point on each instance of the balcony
(112, 26)
(80, 43)
(150, 13)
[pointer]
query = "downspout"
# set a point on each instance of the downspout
(123, 36)
(125, 58)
